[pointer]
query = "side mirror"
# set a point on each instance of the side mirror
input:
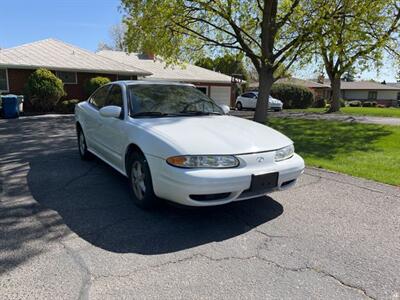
(110, 111)
(225, 109)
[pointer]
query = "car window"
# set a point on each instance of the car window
(249, 95)
(98, 99)
(170, 99)
(115, 96)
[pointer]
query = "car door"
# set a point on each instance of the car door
(252, 100)
(96, 102)
(244, 99)
(112, 136)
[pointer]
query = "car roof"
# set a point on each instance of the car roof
(150, 82)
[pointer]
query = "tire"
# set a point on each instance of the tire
(239, 106)
(140, 183)
(82, 146)
(277, 109)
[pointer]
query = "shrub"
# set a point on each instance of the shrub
(342, 103)
(355, 103)
(44, 90)
(66, 106)
(292, 96)
(319, 103)
(94, 83)
(368, 104)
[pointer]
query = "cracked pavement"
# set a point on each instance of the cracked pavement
(68, 230)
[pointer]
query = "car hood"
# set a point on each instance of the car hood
(215, 135)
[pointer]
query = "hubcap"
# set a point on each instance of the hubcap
(137, 177)
(82, 143)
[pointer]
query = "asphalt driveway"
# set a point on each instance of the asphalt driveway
(69, 230)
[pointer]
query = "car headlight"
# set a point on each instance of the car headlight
(204, 161)
(284, 153)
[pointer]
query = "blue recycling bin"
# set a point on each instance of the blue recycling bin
(10, 106)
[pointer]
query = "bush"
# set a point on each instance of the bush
(66, 106)
(292, 96)
(94, 83)
(342, 103)
(319, 103)
(355, 103)
(369, 104)
(44, 90)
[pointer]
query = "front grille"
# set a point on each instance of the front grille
(210, 197)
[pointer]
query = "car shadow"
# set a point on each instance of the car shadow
(93, 201)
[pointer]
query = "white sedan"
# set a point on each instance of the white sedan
(249, 100)
(175, 143)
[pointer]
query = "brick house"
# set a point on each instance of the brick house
(73, 65)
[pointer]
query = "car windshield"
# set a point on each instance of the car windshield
(158, 100)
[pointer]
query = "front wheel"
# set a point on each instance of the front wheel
(82, 146)
(239, 106)
(140, 183)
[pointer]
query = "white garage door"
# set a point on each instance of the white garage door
(221, 94)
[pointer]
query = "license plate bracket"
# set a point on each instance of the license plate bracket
(263, 182)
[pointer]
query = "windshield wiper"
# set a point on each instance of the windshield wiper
(150, 114)
(199, 113)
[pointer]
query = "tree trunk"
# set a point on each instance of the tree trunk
(335, 100)
(266, 79)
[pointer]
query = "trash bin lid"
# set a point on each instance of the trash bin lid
(9, 96)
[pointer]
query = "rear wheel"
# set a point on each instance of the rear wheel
(82, 146)
(239, 106)
(140, 183)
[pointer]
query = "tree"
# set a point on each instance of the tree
(227, 64)
(349, 75)
(271, 33)
(103, 46)
(117, 36)
(206, 62)
(355, 32)
(44, 90)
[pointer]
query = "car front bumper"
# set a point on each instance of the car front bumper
(182, 185)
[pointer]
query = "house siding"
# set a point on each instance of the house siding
(17, 79)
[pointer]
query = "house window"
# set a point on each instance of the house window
(67, 77)
(372, 95)
(398, 96)
(3, 80)
(203, 89)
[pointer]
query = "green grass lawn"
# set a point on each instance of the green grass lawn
(362, 150)
(358, 111)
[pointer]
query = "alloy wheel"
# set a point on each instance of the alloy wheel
(138, 180)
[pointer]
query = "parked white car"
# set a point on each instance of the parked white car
(175, 143)
(249, 100)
